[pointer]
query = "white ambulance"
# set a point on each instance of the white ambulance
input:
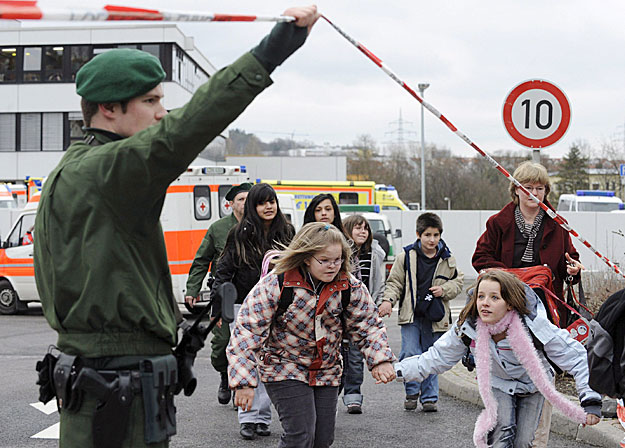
(194, 201)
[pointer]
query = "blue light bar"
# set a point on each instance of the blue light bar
(243, 169)
(604, 193)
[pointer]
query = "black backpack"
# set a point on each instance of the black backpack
(606, 360)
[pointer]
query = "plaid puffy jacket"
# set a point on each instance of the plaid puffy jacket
(303, 343)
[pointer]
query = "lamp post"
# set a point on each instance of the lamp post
(448, 202)
(422, 87)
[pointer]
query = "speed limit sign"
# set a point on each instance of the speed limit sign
(536, 113)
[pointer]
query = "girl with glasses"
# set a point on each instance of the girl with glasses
(296, 354)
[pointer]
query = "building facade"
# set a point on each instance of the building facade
(39, 108)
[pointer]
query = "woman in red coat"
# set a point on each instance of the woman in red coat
(522, 235)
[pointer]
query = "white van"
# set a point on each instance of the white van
(589, 201)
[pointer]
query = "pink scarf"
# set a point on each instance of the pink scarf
(525, 352)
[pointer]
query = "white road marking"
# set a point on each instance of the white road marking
(53, 431)
(49, 433)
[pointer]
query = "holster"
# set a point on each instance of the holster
(65, 373)
(159, 379)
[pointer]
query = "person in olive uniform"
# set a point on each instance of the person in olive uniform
(100, 261)
(205, 259)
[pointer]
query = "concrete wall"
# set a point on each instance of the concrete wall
(462, 228)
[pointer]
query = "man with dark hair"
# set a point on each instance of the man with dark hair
(205, 259)
(100, 262)
(423, 279)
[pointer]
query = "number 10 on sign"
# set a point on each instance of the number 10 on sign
(536, 113)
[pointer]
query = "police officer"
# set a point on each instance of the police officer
(100, 261)
(206, 257)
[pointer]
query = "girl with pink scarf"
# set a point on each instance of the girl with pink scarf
(514, 378)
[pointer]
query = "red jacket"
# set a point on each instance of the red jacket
(495, 248)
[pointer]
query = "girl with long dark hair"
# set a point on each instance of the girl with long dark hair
(262, 228)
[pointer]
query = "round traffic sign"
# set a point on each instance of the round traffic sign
(536, 113)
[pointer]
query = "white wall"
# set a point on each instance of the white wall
(292, 168)
(462, 228)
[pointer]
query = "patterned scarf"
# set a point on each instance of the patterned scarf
(527, 355)
(529, 232)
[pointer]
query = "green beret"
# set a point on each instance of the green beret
(232, 193)
(118, 75)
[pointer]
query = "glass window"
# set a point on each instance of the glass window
(153, 49)
(8, 62)
(202, 202)
(7, 132)
(102, 50)
(75, 127)
(32, 64)
(80, 55)
(224, 205)
(53, 63)
(133, 47)
(26, 223)
(52, 138)
(30, 132)
(348, 198)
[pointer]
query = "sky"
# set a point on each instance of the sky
(472, 53)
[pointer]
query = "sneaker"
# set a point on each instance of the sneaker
(262, 429)
(411, 401)
(248, 431)
(429, 406)
(224, 393)
(354, 408)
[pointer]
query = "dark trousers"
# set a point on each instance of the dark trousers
(219, 342)
(353, 376)
(307, 413)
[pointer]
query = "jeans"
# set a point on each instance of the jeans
(307, 413)
(517, 419)
(415, 341)
(353, 376)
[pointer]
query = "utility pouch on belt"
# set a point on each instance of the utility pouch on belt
(69, 398)
(159, 377)
(45, 376)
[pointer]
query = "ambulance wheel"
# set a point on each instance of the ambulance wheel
(8, 298)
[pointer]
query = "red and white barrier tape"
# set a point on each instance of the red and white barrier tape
(29, 10)
(553, 215)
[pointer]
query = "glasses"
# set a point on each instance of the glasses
(531, 188)
(329, 263)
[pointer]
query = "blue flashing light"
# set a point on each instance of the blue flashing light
(258, 180)
(376, 208)
(243, 169)
(390, 188)
(604, 193)
(621, 206)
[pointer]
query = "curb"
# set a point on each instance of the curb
(461, 384)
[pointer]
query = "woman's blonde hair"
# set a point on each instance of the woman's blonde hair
(310, 239)
(530, 173)
(512, 292)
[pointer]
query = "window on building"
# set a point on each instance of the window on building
(32, 64)
(75, 127)
(8, 64)
(52, 132)
(53, 63)
(7, 132)
(80, 55)
(153, 49)
(30, 132)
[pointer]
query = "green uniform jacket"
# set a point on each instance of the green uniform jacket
(100, 261)
(209, 251)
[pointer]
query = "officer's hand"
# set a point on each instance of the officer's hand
(305, 16)
(218, 323)
(385, 308)
(244, 398)
(383, 373)
(592, 419)
(191, 301)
